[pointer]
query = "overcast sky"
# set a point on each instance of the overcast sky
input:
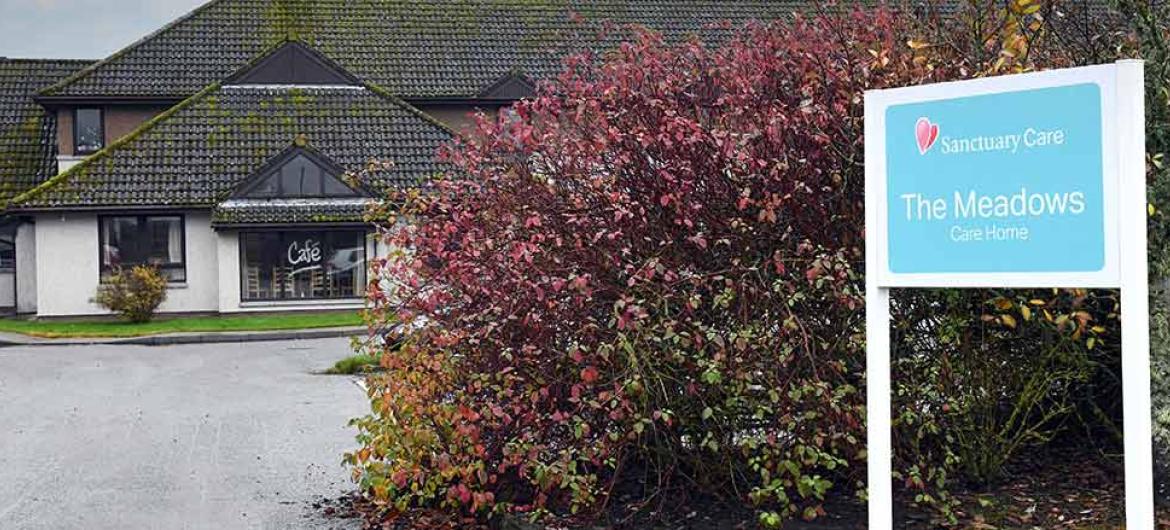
(81, 29)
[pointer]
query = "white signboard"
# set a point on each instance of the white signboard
(1032, 180)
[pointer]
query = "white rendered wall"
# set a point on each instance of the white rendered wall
(66, 264)
(198, 295)
(227, 244)
(64, 162)
(68, 270)
(26, 268)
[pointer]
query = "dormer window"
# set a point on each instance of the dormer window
(297, 174)
(510, 87)
(88, 131)
(294, 64)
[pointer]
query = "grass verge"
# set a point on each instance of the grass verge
(118, 329)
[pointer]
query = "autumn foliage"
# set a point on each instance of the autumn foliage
(649, 274)
(645, 284)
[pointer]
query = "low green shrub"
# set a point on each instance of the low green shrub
(133, 293)
(354, 364)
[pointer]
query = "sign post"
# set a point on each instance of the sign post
(1021, 181)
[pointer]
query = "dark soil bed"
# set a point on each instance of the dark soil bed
(843, 514)
(1064, 489)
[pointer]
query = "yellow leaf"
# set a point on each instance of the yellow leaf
(1026, 7)
(1025, 312)
(1008, 321)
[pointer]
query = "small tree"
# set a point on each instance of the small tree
(133, 293)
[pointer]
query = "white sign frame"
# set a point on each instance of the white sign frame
(1125, 207)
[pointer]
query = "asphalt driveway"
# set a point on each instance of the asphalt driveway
(191, 436)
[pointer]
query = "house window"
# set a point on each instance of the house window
(157, 240)
(302, 264)
(88, 131)
(7, 256)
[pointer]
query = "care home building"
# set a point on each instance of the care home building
(232, 149)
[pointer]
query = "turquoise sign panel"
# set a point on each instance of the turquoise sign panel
(1000, 183)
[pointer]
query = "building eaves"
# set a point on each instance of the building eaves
(250, 212)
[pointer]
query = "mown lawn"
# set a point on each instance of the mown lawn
(114, 329)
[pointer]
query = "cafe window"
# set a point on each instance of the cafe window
(88, 131)
(156, 240)
(302, 265)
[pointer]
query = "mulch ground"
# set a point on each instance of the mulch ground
(1063, 490)
(843, 514)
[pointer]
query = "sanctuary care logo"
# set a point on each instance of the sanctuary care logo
(926, 134)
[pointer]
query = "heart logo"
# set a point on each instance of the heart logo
(926, 133)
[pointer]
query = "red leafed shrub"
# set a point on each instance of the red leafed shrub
(646, 280)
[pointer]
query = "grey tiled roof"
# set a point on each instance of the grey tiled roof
(289, 211)
(413, 48)
(197, 152)
(27, 132)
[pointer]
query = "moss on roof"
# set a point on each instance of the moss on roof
(195, 153)
(412, 48)
(27, 132)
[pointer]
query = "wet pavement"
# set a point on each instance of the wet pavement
(183, 436)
